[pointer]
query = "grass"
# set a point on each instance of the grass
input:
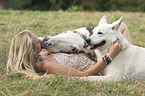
(52, 23)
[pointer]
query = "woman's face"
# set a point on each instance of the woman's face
(36, 42)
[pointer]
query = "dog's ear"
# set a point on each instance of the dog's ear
(115, 25)
(103, 20)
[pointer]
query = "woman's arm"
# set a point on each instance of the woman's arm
(53, 68)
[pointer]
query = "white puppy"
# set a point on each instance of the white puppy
(128, 64)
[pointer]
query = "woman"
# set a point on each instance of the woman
(25, 57)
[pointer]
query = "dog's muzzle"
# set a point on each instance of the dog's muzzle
(96, 45)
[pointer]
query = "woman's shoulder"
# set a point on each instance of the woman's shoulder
(47, 61)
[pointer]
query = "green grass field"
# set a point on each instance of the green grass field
(52, 23)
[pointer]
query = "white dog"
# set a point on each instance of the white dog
(128, 64)
(71, 41)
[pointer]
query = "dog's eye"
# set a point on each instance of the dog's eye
(100, 33)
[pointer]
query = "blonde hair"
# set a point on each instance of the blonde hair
(20, 59)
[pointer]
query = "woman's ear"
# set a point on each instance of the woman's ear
(116, 25)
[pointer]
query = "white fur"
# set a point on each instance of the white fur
(128, 64)
(68, 40)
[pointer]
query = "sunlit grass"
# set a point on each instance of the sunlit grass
(52, 23)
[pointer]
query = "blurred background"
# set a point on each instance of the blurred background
(74, 5)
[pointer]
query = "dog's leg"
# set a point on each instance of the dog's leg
(107, 78)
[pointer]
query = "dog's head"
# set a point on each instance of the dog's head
(103, 34)
(64, 42)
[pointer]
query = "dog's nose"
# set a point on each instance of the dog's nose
(88, 40)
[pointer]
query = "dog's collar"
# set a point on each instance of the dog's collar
(77, 32)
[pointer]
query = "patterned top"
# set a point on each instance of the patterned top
(77, 61)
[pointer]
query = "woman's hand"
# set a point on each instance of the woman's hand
(115, 48)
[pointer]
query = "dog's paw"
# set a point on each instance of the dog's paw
(45, 43)
(92, 55)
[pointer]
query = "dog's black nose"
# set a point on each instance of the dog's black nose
(88, 40)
